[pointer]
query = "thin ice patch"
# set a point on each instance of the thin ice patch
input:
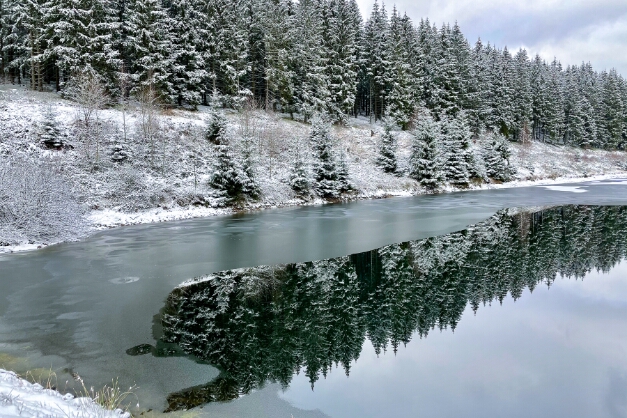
(124, 280)
(572, 189)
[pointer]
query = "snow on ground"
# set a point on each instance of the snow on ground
(19, 398)
(168, 180)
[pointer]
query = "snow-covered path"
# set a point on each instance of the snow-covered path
(19, 398)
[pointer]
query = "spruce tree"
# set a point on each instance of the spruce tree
(424, 162)
(496, 154)
(327, 181)
(456, 156)
(386, 160)
(232, 176)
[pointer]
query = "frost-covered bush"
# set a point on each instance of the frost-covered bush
(131, 192)
(36, 203)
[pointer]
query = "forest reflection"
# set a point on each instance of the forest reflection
(265, 324)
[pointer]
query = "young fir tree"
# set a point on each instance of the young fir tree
(50, 134)
(457, 157)
(424, 162)
(386, 160)
(232, 178)
(326, 173)
(496, 154)
(300, 178)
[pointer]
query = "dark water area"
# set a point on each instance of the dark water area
(269, 323)
(478, 311)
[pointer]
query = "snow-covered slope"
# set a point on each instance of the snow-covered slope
(168, 178)
(19, 398)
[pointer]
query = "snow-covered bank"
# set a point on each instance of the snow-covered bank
(121, 179)
(19, 398)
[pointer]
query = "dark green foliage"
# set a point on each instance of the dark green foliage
(265, 324)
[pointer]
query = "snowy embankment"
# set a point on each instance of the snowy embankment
(121, 178)
(19, 398)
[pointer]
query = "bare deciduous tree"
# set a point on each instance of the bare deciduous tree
(87, 89)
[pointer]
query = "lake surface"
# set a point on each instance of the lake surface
(107, 307)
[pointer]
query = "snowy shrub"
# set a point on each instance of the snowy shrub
(36, 203)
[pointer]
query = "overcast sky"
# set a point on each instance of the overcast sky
(571, 30)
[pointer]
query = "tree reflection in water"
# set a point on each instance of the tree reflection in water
(265, 324)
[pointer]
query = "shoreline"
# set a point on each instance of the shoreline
(102, 220)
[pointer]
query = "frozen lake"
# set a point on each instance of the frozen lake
(561, 351)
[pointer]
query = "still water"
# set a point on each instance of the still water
(444, 324)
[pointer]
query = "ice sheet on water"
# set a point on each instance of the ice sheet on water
(572, 189)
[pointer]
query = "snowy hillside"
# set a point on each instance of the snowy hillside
(143, 164)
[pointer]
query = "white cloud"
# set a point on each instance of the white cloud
(573, 31)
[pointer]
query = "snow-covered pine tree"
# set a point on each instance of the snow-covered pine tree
(478, 107)
(278, 36)
(149, 46)
(403, 76)
(309, 76)
(424, 162)
(374, 60)
(456, 155)
(250, 186)
(386, 160)
(522, 97)
(216, 126)
(50, 135)
(555, 110)
(327, 182)
(300, 178)
(496, 153)
(187, 73)
(449, 94)
(26, 40)
(232, 178)
(429, 47)
(340, 37)
(344, 184)
(574, 129)
(80, 35)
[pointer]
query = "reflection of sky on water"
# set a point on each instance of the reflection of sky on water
(560, 352)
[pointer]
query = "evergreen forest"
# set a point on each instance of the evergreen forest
(265, 324)
(309, 57)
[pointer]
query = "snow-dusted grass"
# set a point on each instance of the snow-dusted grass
(166, 178)
(19, 398)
